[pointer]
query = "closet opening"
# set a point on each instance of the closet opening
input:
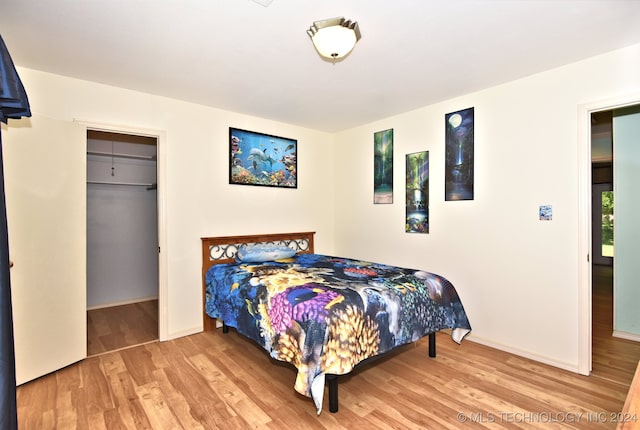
(122, 241)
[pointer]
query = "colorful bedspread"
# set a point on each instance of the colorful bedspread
(326, 314)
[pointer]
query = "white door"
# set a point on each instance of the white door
(45, 181)
(626, 177)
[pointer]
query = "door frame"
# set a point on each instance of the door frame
(585, 222)
(161, 174)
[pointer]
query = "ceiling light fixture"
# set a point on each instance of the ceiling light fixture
(264, 3)
(334, 38)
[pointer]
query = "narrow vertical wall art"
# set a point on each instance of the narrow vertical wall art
(383, 166)
(417, 192)
(459, 166)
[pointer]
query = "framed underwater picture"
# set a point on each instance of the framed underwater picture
(262, 159)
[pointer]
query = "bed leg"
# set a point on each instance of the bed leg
(432, 344)
(208, 323)
(332, 380)
(225, 328)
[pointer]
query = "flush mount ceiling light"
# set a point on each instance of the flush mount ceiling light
(334, 38)
(264, 3)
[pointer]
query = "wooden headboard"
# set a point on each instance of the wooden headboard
(222, 249)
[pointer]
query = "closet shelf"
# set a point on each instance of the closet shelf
(131, 184)
(119, 155)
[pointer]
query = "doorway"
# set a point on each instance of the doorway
(602, 187)
(612, 357)
(602, 242)
(122, 241)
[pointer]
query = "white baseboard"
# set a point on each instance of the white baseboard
(626, 335)
(125, 302)
(526, 354)
(183, 333)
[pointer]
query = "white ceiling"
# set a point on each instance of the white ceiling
(241, 56)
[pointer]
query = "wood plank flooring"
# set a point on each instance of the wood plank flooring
(116, 327)
(212, 380)
(217, 381)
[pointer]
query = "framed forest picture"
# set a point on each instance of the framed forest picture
(383, 167)
(417, 192)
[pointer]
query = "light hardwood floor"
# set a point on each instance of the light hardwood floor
(116, 327)
(212, 380)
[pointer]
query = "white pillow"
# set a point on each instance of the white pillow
(263, 252)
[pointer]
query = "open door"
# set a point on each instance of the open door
(45, 180)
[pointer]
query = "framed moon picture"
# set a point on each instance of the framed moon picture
(459, 157)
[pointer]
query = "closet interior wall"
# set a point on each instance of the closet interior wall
(122, 222)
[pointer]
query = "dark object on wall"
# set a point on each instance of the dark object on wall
(459, 166)
(13, 105)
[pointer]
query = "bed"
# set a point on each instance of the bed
(322, 314)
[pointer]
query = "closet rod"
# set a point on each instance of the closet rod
(133, 184)
(118, 155)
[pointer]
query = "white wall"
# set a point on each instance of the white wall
(199, 200)
(517, 275)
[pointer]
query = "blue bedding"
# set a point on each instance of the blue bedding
(326, 314)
